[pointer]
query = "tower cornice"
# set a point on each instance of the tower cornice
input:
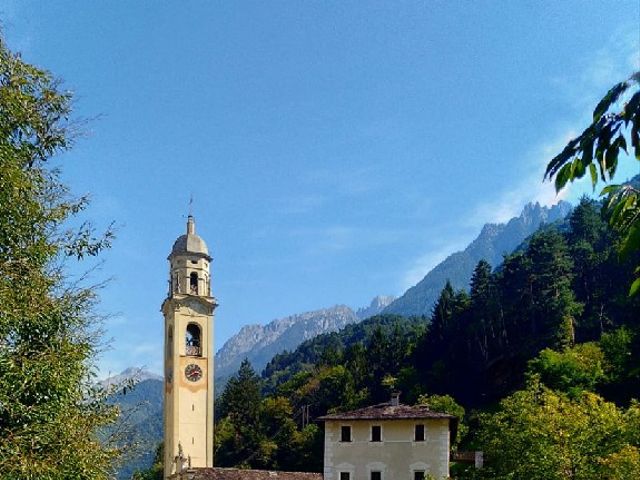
(177, 301)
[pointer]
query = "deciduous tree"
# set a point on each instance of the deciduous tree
(50, 412)
(542, 434)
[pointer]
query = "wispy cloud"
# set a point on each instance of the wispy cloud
(528, 188)
(616, 60)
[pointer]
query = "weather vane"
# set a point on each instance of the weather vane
(191, 205)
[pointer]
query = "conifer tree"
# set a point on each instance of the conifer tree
(481, 308)
(441, 315)
(237, 437)
(554, 307)
(591, 246)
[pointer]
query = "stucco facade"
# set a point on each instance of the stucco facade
(396, 456)
(188, 329)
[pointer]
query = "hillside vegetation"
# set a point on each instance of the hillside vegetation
(550, 335)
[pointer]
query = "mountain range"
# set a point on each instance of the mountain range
(260, 343)
(494, 241)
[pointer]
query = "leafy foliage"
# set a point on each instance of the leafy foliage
(597, 150)
(50, 410)
(447, 404)
(540, 433)
(573, 370)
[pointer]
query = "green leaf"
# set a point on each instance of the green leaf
(631, 242)
(562, 158)
(587, 150)
(609, 189)
(594, 175)
(577, 169)
(611, 97)
(611, 160)
(632, 107)
(563, 176)
(635, 287)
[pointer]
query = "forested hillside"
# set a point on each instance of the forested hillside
(494, 241)
(553, 323)
(259, 343)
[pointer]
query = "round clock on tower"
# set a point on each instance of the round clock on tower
(188, 355)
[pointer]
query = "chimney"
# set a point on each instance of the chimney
(395, 399)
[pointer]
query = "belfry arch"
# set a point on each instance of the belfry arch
(193, 340)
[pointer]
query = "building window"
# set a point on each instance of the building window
(170, 341)
(376, 433)
(419, 436)
(418, 475)
(376, 475)
(345, 433)
(345, 476)
(193, 283)
(192, 340)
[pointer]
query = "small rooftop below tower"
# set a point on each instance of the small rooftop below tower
(190, 243)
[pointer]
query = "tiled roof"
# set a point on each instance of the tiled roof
(240, 474)
(386, 411)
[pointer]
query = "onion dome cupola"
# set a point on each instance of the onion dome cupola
(189, 263)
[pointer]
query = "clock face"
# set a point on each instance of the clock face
(193, 372)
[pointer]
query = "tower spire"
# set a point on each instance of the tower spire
(191, 225)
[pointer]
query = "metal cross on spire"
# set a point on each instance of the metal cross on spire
(191, 205)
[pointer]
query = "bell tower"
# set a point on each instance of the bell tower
(188, 355)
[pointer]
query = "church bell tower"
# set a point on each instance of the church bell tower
(188, 355)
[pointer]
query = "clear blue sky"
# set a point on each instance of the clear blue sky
(336, 150)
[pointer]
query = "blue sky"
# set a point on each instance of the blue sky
(335, 150)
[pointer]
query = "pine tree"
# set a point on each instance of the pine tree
(482, 293)
(241, 397)
(554, 307)
(591, 247)
(441, 316)
(238, 437)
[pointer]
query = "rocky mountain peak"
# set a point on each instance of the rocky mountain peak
(376, 306)
(138, 374)
(259, 343)
(494, 240)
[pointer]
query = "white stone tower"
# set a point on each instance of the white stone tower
(188, 355)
